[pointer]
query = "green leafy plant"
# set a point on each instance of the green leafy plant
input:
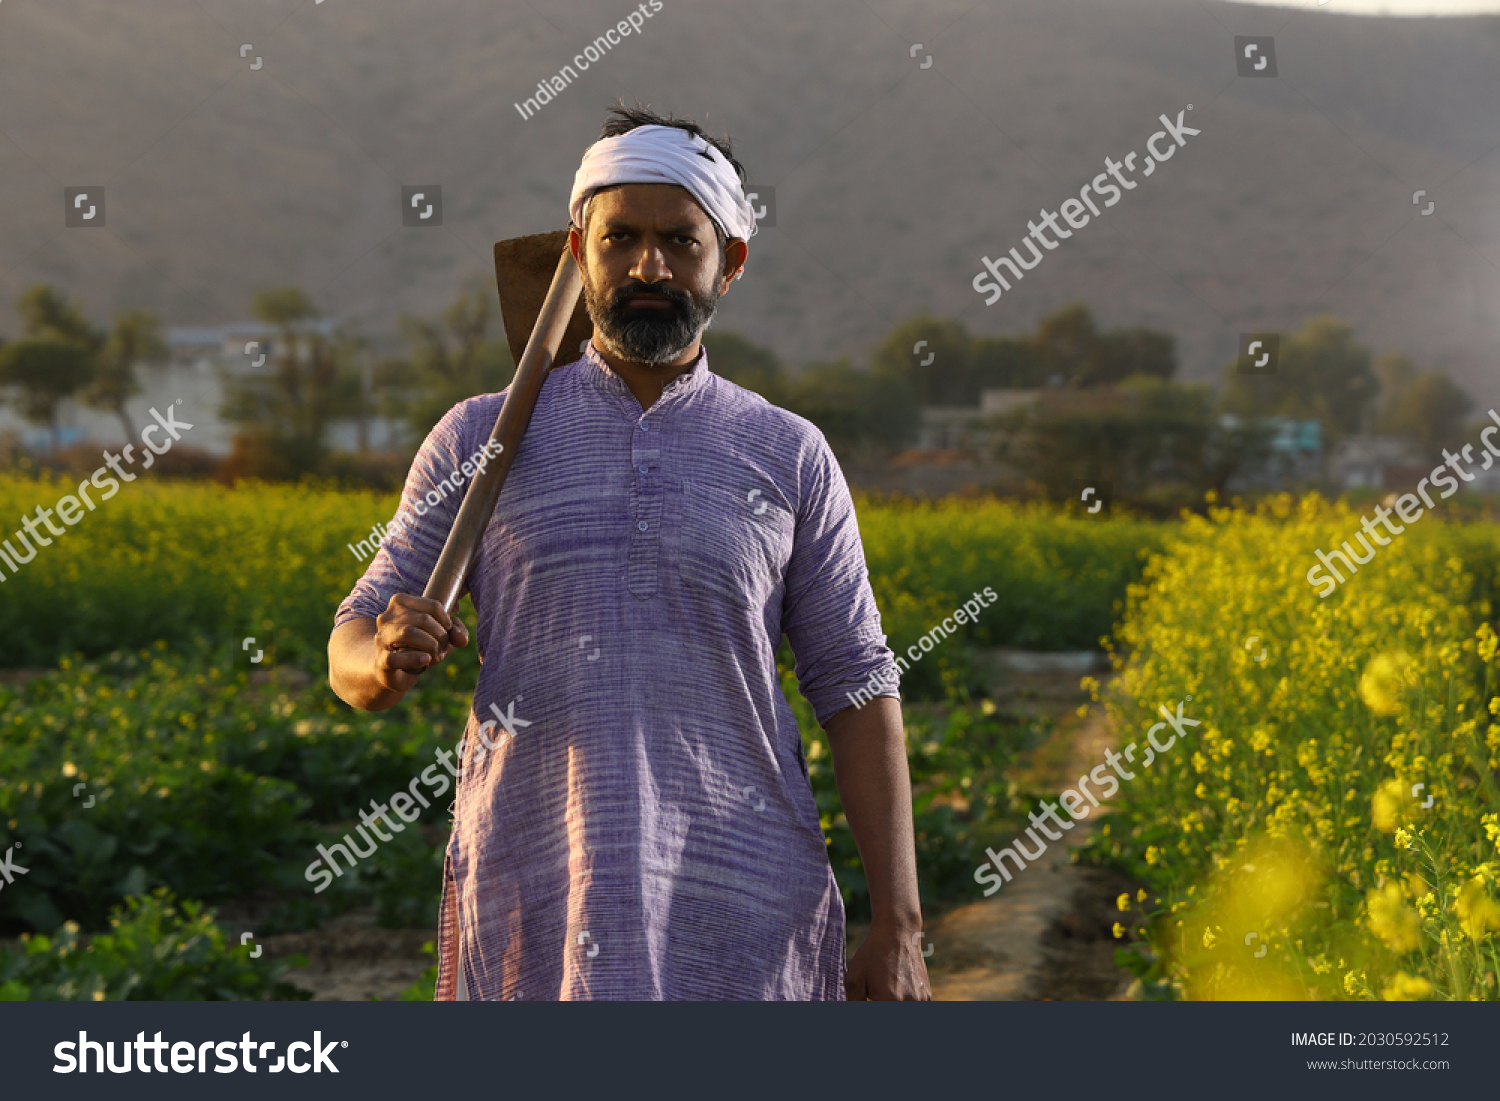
(157, 949)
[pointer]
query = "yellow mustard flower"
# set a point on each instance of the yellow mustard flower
(1392, 920)
(1123, 902)
(1385, 680)
(1385, 807)
(1406, 988)
(1478, 914)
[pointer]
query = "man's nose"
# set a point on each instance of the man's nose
(650, 266)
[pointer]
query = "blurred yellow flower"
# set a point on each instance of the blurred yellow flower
(1406, 988)
(1119, 930)
(1385, 679)
(1385, 807)
(1477, 912)
(1123, 902)
(1392, 920)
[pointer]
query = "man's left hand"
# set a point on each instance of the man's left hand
(888, 968)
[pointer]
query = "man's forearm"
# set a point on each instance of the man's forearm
(351, 668)
(869, 764)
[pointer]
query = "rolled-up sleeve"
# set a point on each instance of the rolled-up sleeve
(829, 612)
(415, 538)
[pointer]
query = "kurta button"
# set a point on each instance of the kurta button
(644, 469)
(642, 526)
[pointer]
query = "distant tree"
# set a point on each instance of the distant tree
(1005, 363)
(450, 358)
(1157, 437)
(939, 370)
(1073, 351)
(312, 381)
(48, 315)
(53, 361)
(1137, 352)
(1067, 343)
(1322, 374)
(41, 373)
(946, 366)
(135, 339)
(1426, 407)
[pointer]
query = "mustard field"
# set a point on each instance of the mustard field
(1327, 831)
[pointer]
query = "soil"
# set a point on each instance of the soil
(1048, 933)
(351, 960)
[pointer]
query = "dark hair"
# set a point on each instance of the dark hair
(622, 120)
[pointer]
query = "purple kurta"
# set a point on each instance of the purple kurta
(643, 827)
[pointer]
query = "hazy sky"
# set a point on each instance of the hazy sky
(1392, 7)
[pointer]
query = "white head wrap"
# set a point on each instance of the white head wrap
(665, 154)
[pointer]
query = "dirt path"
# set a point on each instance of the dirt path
(1048, 932)
(351, 960)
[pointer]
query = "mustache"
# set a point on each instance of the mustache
(622, 297)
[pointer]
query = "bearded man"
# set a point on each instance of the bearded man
(633, 818)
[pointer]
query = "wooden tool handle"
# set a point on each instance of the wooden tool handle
(447, 581)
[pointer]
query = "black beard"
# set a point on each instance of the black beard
(653, 335)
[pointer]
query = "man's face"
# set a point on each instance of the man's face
(652, 271)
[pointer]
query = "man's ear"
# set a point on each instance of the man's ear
(575, 244)
(735, 252)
